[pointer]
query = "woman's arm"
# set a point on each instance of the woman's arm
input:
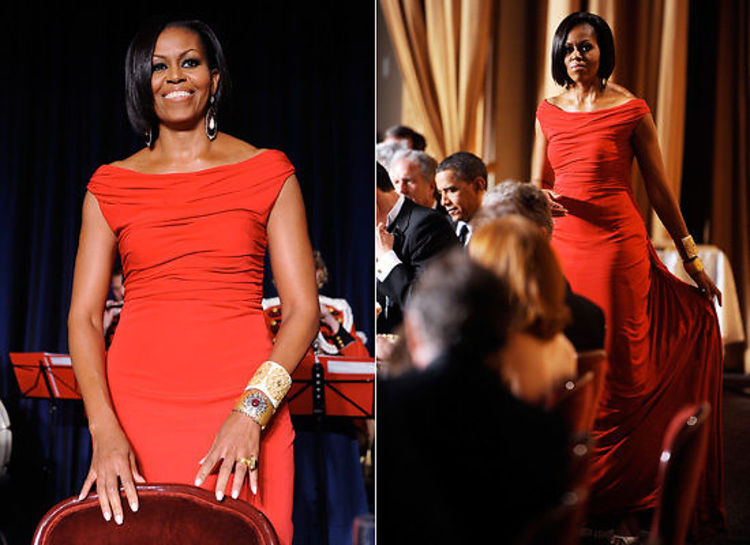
(294, 275)
(113, 456)
(648, 153)
(541, 171)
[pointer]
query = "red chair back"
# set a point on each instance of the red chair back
(682, 459)
(573, 400)
(168, 513)
(595, 361)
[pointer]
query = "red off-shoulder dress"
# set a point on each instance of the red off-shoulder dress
(192, 330)
(663, 336)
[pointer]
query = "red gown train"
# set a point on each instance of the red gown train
(192, 330)
(663, 337)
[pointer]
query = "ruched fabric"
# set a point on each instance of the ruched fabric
(663, 336)
(192, 330)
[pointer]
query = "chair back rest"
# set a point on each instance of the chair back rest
(560, 525)
(168, 513)
(683, 457)
(597, 362)
(572, 400)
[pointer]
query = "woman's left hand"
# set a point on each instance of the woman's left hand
(705, 284)
(238, 437)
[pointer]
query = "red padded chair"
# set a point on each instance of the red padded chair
(573, 400)
(168, 513)
(682, 459)
(595, 361)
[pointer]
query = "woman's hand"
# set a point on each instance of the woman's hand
(704, 282)
(238, 437)
(556, 208)
(113, 459)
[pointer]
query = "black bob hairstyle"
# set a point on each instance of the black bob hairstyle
(603, 38)
(138, 68)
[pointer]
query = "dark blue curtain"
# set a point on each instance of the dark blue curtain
(303, 79)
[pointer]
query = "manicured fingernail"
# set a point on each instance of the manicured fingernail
(198, 481)
(134, 507)
(118, 519)
(80, 497)
(107, 516)
(254, 488)
(235, 494)
(202, 460)
(219, 495)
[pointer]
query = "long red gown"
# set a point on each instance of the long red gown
(192, 330)
(663, 337)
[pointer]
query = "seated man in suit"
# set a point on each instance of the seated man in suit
(460, 459)
(462, 181)
(587, 329)
(406, 237)
(413, 175)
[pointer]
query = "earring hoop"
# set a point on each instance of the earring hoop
(212, 127)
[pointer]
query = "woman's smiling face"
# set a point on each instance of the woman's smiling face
(181, 79)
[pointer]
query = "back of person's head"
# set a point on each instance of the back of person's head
(518, 252)
(426, 163)
(383, 180)
(384, 151)
(401, 132)
(513, 197)
(461, 308)
(466, 166)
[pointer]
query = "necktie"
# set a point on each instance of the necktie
(463, 233)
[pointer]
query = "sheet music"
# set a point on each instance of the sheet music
(351, 367)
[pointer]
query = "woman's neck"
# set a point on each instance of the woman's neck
(182, 146)
(585, 93)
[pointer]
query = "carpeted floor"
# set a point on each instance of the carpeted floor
(736, 419)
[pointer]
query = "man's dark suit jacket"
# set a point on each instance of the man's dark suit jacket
(460, 460)
(420, 234)
(587, 329)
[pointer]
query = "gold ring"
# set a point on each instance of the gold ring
(251, 462)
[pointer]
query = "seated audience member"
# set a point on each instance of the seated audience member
(460, 459)
(384, 152)
(407, 236)
(413, 175)
(401, 133)
(587, 328)
(537, 357)
(462, 181)
(113, 305)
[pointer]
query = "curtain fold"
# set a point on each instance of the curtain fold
(442, 48)
(730, 211)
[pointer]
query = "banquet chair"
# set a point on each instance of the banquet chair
(682, 459)
(595, 361)
(560, 525)
(167, 514)
(573, 401)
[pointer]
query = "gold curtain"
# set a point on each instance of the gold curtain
(730, 212)
(442, 48)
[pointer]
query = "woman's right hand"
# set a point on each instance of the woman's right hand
(556, 208)
(113, 459)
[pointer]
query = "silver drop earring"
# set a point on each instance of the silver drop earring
(212, 127)
(149, 137)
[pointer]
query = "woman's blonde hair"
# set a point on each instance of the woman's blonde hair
(518, 251)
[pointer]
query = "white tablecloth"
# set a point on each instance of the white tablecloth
(717, 267)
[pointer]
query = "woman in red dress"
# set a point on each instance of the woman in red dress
(662, 340)
(192, 215)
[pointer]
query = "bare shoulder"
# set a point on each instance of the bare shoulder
(234, 150)
(135, 162)
(617, 94)
(557, 100)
